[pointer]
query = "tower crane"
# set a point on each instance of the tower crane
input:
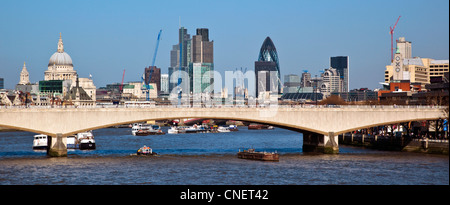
(121, 85)
(391, 31)
(147, 86)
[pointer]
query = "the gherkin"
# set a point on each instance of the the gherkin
(267, 61)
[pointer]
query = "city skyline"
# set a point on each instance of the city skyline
(105, 38)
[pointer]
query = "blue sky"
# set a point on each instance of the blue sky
(105, 37)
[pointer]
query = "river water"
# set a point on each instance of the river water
(210, 159)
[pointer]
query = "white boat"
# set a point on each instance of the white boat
(72, 142)
(172, 130)
(40, 141)
(85, 140)
(223, 129)
(144, 127)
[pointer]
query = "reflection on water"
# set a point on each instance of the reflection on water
(210, 158)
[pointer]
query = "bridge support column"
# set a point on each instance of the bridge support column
(57, 146)
(327, 144)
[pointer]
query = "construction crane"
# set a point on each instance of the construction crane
(391, 31)
(147, 86)
(121, 85)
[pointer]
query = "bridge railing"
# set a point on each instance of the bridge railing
(229, 106)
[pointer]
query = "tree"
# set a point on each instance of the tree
(333, 100)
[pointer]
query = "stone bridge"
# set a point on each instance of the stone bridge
(320, 126)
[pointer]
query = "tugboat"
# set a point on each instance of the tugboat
(145, 151)
(263, 156)
(86, 140)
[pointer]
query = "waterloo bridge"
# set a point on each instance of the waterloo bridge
(320, 125)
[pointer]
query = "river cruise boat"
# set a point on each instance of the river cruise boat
(145, 151)
(263, 156)
(189, 129)
(40, 141)
(145, 129)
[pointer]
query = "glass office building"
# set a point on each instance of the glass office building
(267, 61)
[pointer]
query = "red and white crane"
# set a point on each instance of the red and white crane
(392, 38)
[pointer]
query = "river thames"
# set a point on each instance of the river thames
(210, 159)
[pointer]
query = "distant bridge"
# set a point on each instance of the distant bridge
(320, 126)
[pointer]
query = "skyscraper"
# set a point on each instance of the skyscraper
(202, 65)
(267, 61)
(341, 64)
(404, 47)
(179, 60)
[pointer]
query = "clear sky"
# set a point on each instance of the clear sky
(105, 37)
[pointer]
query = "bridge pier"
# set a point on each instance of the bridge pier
(57, 146)
(327, 144)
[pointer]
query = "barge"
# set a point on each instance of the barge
(255, 126)
(263, 156)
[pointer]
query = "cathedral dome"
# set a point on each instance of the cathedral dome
(60, 57)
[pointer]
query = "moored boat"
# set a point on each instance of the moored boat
(149, 132)
(223, 129)
(254, 126)
(145, 129)
(172, 130)
(233, 128)
(263, 156)
(40, 141)
(85, 140)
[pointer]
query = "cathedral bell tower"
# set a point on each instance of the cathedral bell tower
(24, 76)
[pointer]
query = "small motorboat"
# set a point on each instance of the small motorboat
(172, 130)
(223, 129)
(145, 151)
(233, 128)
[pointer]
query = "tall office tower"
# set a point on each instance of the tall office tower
(200, 70)
(185, 39)
(204, 33)
(156, 77)
(267, 61)
(178, 58)
(164, 83)
(341, 64)
(404, 47)
(305, 79)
